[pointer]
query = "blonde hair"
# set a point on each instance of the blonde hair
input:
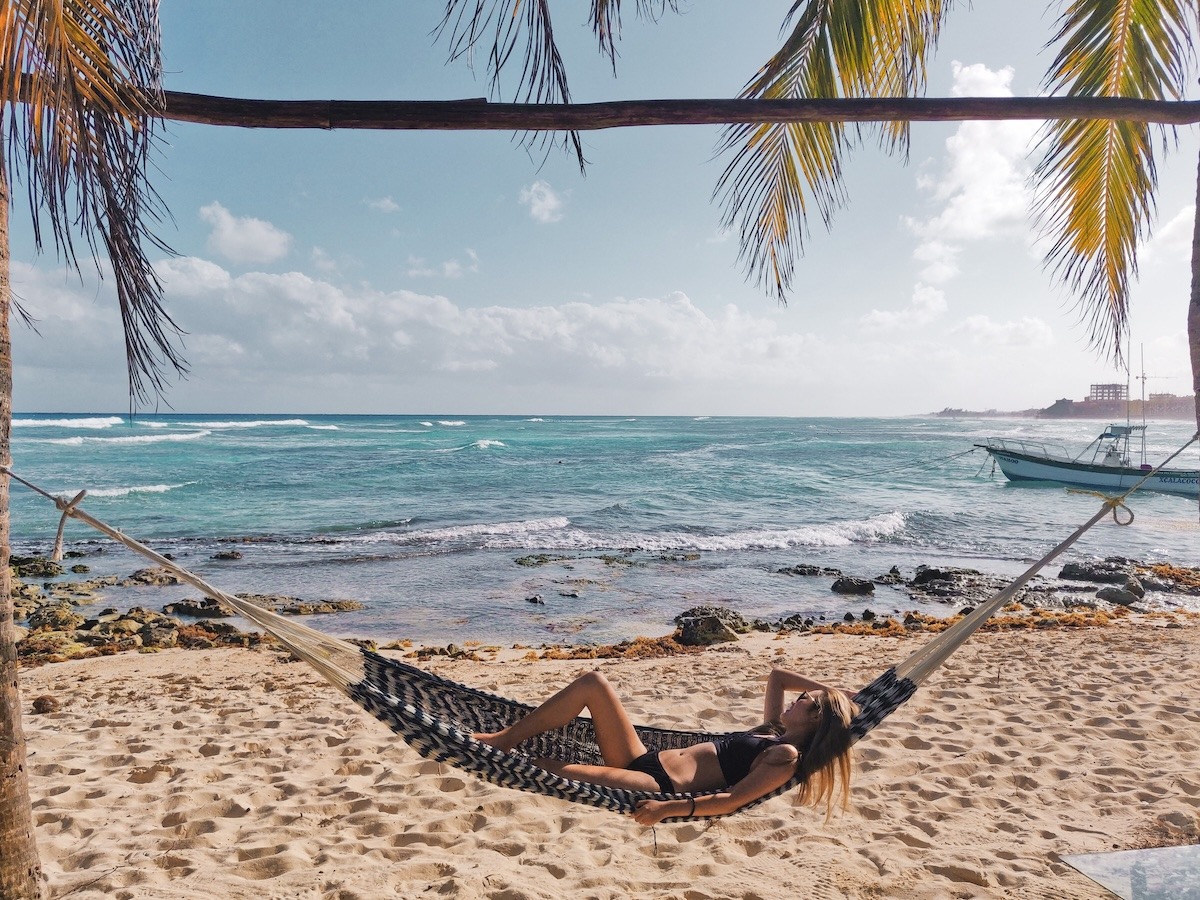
(826, 764)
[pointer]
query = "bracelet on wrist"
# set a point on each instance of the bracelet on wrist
(692, 810)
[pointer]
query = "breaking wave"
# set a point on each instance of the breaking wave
(556, 533)
(135, 439)
(136, 489)
(83, 422)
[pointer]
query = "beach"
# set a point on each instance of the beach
(238, 773)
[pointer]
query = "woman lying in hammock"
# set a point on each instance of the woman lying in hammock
(809, 737)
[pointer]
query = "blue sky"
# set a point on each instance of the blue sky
(395, 272)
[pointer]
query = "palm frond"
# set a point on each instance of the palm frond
(81, 88)
(543, 77)
(1096, 180)
(835, 48)
(606, 21)
(468, 26)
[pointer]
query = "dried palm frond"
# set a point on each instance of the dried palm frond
(606, 21)
(80, 89)
(543, 79)
(1096, 181)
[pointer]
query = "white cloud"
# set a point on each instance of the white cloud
(54, 297)
(78, 342)
(383, 204)
(982, 189)
(450, 268)
(1026, 332)
(1171, 241)
(191, 276)
(323, 261)
(979, 81)
(940, 260)
(244, 239)
(927, 305)
(274, 327)
(543, 203)
(417, 268)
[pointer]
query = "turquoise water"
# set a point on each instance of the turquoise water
(423, 518)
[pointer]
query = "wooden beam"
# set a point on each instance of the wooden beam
(480, 115)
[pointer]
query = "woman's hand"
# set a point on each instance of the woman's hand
(781, 680)
(651, 812)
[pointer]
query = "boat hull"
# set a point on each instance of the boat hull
(1027, 467)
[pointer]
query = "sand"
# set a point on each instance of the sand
(233, 773)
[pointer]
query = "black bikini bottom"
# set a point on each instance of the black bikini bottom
(648, 763)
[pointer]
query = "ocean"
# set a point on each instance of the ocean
(561, 529)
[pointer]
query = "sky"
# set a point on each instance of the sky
(459, 272)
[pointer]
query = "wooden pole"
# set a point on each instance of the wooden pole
(481, 115)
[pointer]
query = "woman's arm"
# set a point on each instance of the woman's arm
(772, 771)
(780, 681)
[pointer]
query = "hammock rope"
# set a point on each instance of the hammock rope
(437, 716)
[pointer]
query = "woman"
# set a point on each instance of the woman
(810, 736)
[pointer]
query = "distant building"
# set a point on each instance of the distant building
(1100, 392)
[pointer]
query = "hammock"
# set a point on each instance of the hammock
(437, 716)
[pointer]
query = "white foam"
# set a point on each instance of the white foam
(257, 423)
(136, 489)
(452, 423)
(478, 445)
(85, 422)
(510, 530)
(838, 534)
(134, 439)
(323, 427)
(554, 533)
(427, 424)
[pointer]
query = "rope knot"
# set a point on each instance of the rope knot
(1118, 503)
(68, 509)
(1113, 503)
(68, 506)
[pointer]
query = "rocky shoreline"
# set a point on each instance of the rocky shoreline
(53, 625)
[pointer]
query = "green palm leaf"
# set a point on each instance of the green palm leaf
(836, 48)
(1096, 180)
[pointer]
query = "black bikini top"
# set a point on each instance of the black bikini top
(736, 753)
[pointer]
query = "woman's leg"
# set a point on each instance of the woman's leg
(618, 742)
(608, 776)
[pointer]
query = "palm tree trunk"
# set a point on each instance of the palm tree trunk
(1194, 306)
(20, 869)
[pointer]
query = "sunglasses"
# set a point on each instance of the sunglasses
(818, 702)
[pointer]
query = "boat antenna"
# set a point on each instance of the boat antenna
(1142, 349)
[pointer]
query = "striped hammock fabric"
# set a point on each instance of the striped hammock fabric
(437, 716)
